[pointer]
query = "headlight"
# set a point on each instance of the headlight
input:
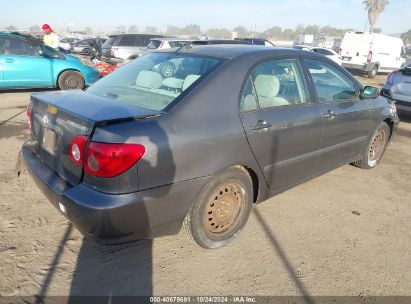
(86, 62)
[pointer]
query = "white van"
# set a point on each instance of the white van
(372, 53)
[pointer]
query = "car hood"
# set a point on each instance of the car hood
(71, 57)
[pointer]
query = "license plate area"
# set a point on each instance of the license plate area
(346, 58)
(49, 141)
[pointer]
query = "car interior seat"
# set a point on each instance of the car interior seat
(267, 88)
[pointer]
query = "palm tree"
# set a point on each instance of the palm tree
(374, 8)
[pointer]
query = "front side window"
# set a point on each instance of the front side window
(274, 83)
(331, 83)
(153, 44)
(154, 80)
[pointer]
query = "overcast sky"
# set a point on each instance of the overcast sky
(261, 14)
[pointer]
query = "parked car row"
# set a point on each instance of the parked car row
(330, 53)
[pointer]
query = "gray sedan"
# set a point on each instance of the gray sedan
(398, 88)
(141, 153)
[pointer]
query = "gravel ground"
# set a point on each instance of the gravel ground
(344, 233)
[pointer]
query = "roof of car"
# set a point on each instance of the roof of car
(229, 51)
(25, 37)
(171, 39)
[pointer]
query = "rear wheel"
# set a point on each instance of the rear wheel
(71, 80)
(373, 72)
(221, 210)
(376, 148)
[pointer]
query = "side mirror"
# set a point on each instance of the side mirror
(369, 92)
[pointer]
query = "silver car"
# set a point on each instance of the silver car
(165, 43)
(398, 88)
(119, 48)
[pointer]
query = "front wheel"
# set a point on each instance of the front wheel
(71, 80)
(376, 148)
(221, 210)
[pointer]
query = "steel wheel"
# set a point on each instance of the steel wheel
(377, 147)
(223, 209)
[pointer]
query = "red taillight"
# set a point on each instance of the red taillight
(28, 115)
(340, 51)
(77, 149)
(369, 57)
(109, 160)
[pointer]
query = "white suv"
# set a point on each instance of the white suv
(165, 43)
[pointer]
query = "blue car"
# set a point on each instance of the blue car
(26, 62)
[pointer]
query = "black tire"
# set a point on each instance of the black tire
(71, 80)
(221, 210)
(375, 151)
(167, 69)
(372, 73)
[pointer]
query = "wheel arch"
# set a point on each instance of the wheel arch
(390, 123)
(255, 181)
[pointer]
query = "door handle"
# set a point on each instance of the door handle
(330, 115)
(261, 124)
(8, 60)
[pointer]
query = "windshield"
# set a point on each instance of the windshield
(155, 80)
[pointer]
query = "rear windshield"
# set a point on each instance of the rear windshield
(155, 80)
(154, 44)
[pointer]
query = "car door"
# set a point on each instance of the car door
(346, 123)
(23, 66)
(282, 124)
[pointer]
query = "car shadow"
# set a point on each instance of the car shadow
(302, 290)
(112, 273)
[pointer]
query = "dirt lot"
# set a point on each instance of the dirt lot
(306, 241)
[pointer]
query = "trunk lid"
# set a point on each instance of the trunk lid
(58, 117)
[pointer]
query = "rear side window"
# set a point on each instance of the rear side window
(142, 41)
(154, 80)
(323, 52)
(274, 83)
(331, 83)
(127, 40)
(154, 44)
